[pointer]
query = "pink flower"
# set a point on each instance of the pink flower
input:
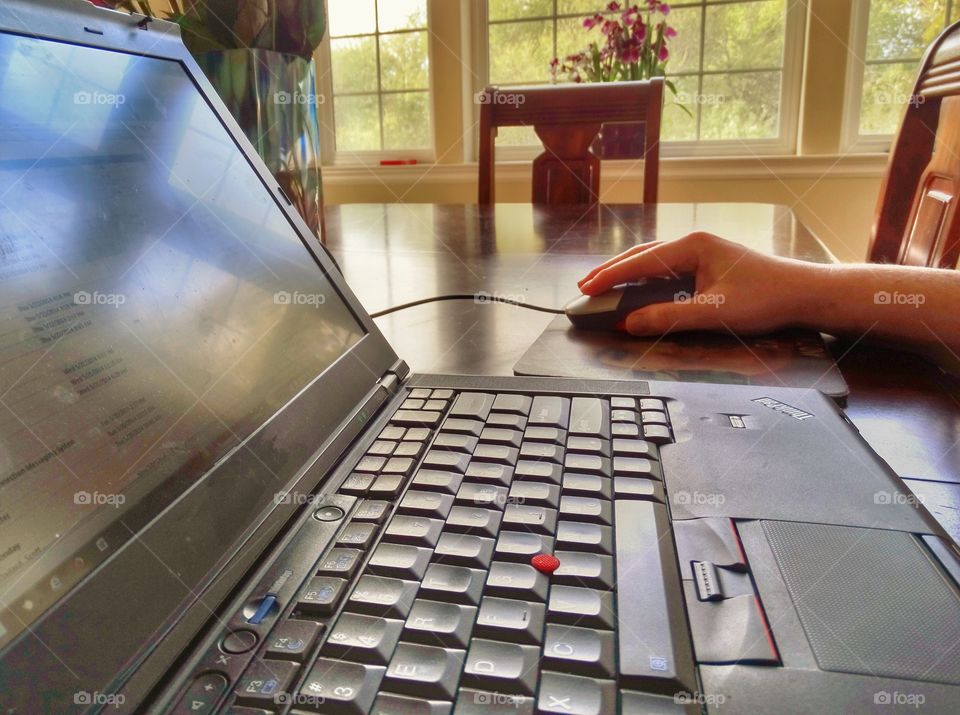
(609, 27)
(613, 7)
(664, 8)
(669, 32)
(664, 53)
(640, 31)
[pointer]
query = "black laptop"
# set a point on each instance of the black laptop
(221, 490)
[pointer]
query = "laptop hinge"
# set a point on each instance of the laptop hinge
(395, 375)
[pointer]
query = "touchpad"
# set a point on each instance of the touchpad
(871, 602)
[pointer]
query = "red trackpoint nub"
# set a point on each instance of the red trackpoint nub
(545, 563)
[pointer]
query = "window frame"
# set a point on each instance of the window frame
(330, 155)
(791, 87)
(852, 141)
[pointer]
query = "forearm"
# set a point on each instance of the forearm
(905, 304)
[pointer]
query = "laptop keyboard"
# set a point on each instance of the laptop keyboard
(508, 553)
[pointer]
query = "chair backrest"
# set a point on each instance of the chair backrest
(917, 222)
(567, 119)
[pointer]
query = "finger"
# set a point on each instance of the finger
(666, 259)
(674, 317)
(619, 257)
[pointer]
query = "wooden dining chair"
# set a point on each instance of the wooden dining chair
(567, 119)
(917, 222)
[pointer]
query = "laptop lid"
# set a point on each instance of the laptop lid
(175, 347)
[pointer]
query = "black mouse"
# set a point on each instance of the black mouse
(609, 311)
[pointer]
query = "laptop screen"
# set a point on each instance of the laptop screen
(156, 306)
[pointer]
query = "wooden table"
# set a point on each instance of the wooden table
(908, 410)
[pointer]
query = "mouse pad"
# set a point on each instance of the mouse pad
(794, 358)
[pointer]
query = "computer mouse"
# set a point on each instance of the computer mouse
(609, 311)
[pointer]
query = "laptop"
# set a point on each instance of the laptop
(221, 491)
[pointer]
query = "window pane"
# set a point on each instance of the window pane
(573, 37)
(406, 120)
(351, 17)
(886, 91)
(899, 29)
(357, 122)
(403, 61)
(744, 36)
(521, 52)
(740, 106)
(354, 64)
(509, 9)
(685, 47)
(677, 124)
(517, 136)
(401, 14)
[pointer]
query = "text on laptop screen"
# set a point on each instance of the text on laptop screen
(156, 306)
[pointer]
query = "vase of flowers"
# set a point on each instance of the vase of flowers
(634, 46)
(258, 54)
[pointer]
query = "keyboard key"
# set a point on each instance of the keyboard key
(409, 449)
(589, 416)
(381, 596)
(534, 494)
(650, 601)
(292, 640)
(588, 445)
(391, 704)
(399, 561)
(521, 546)
(481, 702)
(581, 568)
(485, 495)
(518, 404)
(584, 607)
(496, 453)
(551, 435)
(624, 429)
(417, 502)
(501, 667)
(636, 467)
(538, 472)
(439, 623)
(501, 419)
(456, 584)
(370, 464)
(417, 434)
(474, 520)
(550, 411)
(424, 671)
(386, 486)
(398, 465)
(382, 448)
(623, 403)
(658, 434)
(464, 550)
(472, 405)
(510, 620)
(581, 536)
(636, 488)
(634, 448)
(341, 687)
(498, 474)
(357, 484)
(586, 485)
(454, 442)
(339, 562)
(392, 432)
(419, 393)
(654, 417)
(435, 405)
(416, 418)
(357, 534)
(515, 580)
(441, 394)
(536, 519)
(363, 639)
(502, 436)
(628, 416)
(587, 464)
(542, 451)
(413, 530)
(372, 510)
(412, 404)
(462, 426)
(434, 480)
(450, 461)
(263, 681)
(597, 511)
(321, 596)
(580, 651)
(574, 695)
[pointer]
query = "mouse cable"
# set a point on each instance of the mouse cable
(476, 297)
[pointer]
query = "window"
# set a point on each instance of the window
(736, 65)
(378, 78)
(889, 38)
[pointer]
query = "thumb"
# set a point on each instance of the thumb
(672, 317)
